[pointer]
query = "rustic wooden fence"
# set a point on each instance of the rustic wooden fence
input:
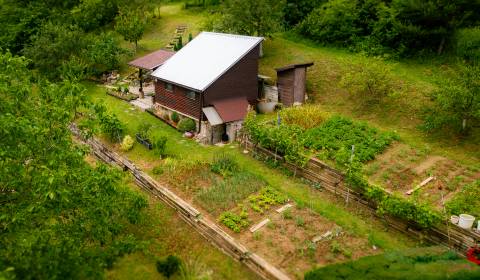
(332, 180)
(188, 213)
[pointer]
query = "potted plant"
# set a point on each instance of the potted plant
(142, 135)
(473, 255)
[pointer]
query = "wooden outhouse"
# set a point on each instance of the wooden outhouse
(291, 82)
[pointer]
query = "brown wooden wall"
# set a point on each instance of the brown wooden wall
(240, 80)
(285, 84)
(177, 99)
(299, 84)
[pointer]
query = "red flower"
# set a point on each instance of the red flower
(473, 255)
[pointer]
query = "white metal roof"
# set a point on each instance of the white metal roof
(202, 61)
(212, 115)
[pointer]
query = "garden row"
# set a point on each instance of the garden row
(304, 132)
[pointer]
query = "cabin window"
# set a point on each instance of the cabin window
(168, 87)
(191, 95)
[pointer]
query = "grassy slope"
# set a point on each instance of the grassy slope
(401, 114)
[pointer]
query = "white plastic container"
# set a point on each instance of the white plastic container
(466, 221)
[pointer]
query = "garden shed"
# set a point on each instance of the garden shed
(212, 80)
(291, 83)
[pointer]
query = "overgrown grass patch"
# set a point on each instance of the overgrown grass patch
(225, 194)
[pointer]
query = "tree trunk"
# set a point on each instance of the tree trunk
(441, 46)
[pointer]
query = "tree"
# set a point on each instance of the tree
(54, 44)
(252, 17)
(131, 26)
(103, 53)
(61, 218)
(431, 23)
(92, 14)
(456, 102)
(296, 10)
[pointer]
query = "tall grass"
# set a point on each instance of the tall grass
(225, 194)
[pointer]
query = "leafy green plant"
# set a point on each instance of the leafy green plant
(112, 127)
(233, 221)
(159, 145)
(175, 117)
(267, 197)
(224, 164)
(466, 201)
(169, 266)
(186, 124)
(284, 139)
(143, 130)
(287, 214)
(127, 143)
(336, 136)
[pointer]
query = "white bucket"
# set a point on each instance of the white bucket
(466, 221)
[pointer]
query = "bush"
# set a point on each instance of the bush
(168, 266)
(127, 143)
(224, 165)
(186, 124)
(466, 201)
(371, 79)
(144, 130)
(333, 22)
(307, 116)
(468, 44)
(112, 127)
(159, 145)
(175, 117)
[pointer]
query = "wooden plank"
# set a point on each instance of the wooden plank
(259, 225)
(283, 208)
(423, 183)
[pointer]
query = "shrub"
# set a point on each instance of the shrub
(175, 117)
(307, 116)
(224, 165)
(371, 79)
(466, 201)
(468, 44)
(186, 124)
(168, 266)
(159, 145)
(127, 143)
(144, 130)
(112, 127)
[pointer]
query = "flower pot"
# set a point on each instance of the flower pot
(266, 107)
(454, 219)
(466, 221)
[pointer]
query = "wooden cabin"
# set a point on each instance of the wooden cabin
(212, 80)
(291, 83)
